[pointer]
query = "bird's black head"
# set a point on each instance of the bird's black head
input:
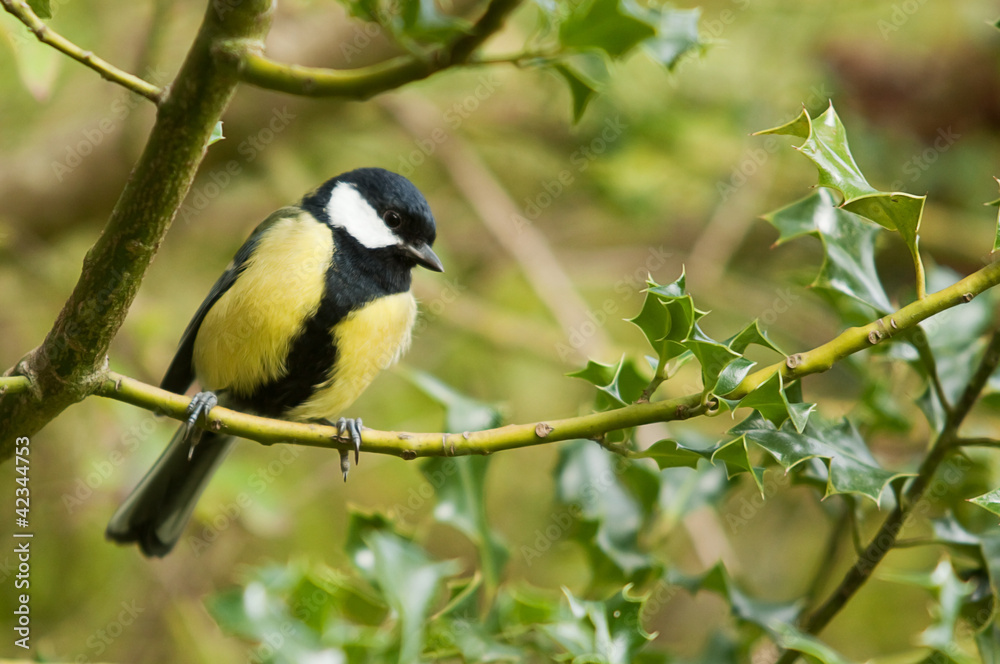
(381, 211)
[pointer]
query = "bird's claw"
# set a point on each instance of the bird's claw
(200, 405)
(350, 426)
(345, 462)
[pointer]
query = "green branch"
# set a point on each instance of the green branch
(20, 10)
(365, 82)
(887, 536)
(593, 426)
(70, 363)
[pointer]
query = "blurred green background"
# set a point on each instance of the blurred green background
(660, 173)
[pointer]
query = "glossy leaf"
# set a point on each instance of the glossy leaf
(676, 34)
(851, 467)
(611, 26)
(619, 384)
(996, 235)
(762, 613)
(410, 582)
(736, 456)
(37, 64)
(614, 500)
(581, 88)
(790, 638)
(770, 400)
(848, 245)
(988, 501)
(825, 144)
(608, 631)
(460, 486)
(423, 21)
(42, 8)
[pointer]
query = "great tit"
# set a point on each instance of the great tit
(314, 304)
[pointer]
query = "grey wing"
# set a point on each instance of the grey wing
(180, 373)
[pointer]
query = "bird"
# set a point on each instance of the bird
(314, 304)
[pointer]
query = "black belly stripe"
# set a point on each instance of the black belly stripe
(350, 284)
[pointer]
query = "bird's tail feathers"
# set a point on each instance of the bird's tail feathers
(155, 513)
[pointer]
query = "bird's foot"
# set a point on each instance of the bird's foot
(349, 427)
(200, 405)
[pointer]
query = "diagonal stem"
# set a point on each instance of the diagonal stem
(947, 441)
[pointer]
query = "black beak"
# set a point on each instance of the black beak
(424, 255)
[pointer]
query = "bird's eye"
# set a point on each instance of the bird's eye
(393, 219)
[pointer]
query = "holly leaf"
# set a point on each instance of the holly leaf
(422, 20)
(459, 483)
(41, 7)
(676, 34)
(603, 631)
(850, 465)
(462, 413)
(789, 638)
(37, 64)
(581, 87)
(671, 454)
(996, 236)
(615, 500)
(752, 334)
(713, 357)
(769, 399)
(667, 318)
(410, 582)
(825, 144)
(988, 501)
(765, 614)
(619, 384)
(736, 456)
(611, 26)
(848, 247)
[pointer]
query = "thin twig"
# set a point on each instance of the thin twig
(977, 442)
(921, 344)
(20, 10)
(886, 538)
(366, 82)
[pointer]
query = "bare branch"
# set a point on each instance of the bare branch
(20, 10)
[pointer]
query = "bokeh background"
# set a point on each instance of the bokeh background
(660, 173)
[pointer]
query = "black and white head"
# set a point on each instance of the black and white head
(381, 211)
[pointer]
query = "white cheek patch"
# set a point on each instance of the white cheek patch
(351, 212)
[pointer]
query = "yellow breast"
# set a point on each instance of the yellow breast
(368, 340)
(245, 337)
